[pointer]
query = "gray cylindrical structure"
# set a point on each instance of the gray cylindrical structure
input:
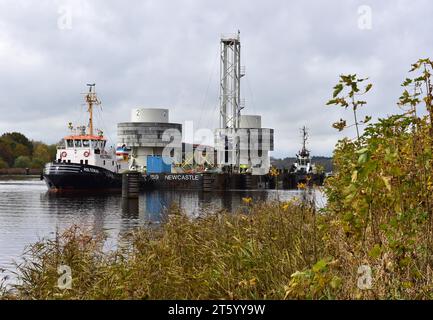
(147, 134)
(144, 134)
(250, 121)
(150, 115)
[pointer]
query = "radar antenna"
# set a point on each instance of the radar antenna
(91, 100)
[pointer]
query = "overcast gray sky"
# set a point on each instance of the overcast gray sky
(165, 54)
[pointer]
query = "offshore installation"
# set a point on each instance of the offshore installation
(150, 153)
(151, 145)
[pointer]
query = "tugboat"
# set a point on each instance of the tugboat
(303, 170)
(82, 162)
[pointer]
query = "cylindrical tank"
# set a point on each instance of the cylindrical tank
(250, 121)
(149, 115)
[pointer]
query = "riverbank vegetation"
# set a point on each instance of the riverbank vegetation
(248, 254)
(372, 240)
(17, 151)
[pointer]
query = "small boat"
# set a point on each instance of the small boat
(82, 162)
(303, 170)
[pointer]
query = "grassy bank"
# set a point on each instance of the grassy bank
(250, 254)
(278, 250)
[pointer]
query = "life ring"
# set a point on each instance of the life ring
(63, 154)
(86, 153)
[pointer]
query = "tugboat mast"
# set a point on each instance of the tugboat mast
(91, 99)
(304, 139)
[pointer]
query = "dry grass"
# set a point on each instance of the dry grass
(250, 254)
(277, 250)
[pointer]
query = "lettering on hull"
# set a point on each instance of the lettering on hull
(175, 177)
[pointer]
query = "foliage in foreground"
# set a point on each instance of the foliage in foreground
(248, 255)
(380, 205)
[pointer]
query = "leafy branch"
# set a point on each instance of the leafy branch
(344, 95)
(417, 84)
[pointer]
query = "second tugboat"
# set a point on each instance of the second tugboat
(82, 162)
(303, 170)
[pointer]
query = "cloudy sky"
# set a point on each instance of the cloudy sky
(165, 54)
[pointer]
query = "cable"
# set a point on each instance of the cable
(203, 105)
(252, 97)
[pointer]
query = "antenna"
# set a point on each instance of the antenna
(91, 99)
(304, 132)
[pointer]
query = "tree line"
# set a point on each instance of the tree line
(17, 151)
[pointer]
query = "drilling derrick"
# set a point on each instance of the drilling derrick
(242, 144)
(231, 73)
(230, 81)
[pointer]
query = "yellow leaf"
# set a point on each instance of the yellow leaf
(386, 180)
(354, 176)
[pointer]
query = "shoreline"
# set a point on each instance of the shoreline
(20, 172)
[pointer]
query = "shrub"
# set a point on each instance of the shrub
(22, 162)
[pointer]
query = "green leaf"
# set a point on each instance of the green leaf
(362, 158)
(375, 251)
(335, 282)
(366, 119)
(337, 89)
(363, 150)
(407, 82)
(368, 87)
(320, 265)
(354, 176)
(387, 180)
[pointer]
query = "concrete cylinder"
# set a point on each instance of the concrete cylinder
(250, 121)
(149, 115)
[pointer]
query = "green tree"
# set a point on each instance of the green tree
(52, 149)
(6, 152)
(42, 152)
(20, 150)
(23, 162)
(3, 164)
(38, 163)
(18, 138)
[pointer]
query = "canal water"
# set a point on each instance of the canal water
(28, 212)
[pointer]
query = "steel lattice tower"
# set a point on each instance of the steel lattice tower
(230, 80)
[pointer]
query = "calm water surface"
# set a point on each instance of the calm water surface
(28, 212)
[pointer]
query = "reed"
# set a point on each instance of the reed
(248, 254)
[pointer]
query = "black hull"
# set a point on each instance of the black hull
(292, 180)
(70, 177)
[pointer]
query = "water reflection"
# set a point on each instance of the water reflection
(28, 212)
(130, 208)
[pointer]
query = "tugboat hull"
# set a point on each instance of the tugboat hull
(293, 179)
(70, 177)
